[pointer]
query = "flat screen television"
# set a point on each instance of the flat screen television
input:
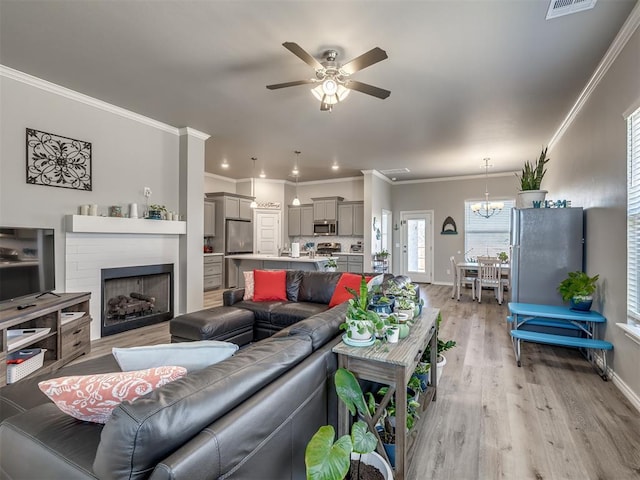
(27, 262)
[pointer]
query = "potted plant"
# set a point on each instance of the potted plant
(360, 322)
(156, 212)
(329, 460)
(578, 289)
(530, 181)
(422, 374)
(387, 428)
(330, 265)
(380, 304)
(406, 306)
(442, 346)
(503, 257)
(381, 255)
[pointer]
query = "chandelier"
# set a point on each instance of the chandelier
(486, 209)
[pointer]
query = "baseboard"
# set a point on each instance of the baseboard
(618, 382)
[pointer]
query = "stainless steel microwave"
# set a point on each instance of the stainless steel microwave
(326, 227)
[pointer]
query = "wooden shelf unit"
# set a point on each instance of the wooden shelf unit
(63, 342)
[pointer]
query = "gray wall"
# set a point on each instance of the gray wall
(446, 198)
(588, 166)
(126, 156)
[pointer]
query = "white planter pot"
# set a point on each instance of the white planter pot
(329, 269)
(442, 361)
(394, 335)
(408, 313)
(527, 197)
(355, 335)
(376, 461)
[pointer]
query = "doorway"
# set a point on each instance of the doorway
(267, 232)
(417, 245)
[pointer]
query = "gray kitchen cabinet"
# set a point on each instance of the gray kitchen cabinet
(306, 221)
(345, 219)
(342, 265)
(294, 218)
(358, 219)
(246, 212)
(325, 209)
(209, 219)
(231, 207)
(212, 272)
(355, 263)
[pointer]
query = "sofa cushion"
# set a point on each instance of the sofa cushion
(292, 312)
(320, 328)
(318, 287)
(190, 355)
(294, 278)
(269, 285)
(261, 310)
(347, 280)
(141, 433)
(249, 284)
(92, 398)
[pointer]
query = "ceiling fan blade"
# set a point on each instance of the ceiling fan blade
(368, 89)
(302, 54)
(365, 60)
(290, 84)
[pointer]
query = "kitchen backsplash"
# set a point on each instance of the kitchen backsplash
(345, 242)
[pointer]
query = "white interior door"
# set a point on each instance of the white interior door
(417, 245)
(267, 232)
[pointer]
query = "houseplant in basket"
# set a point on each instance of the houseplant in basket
(531, 180)
(326, 459)
(330, 265)
(578, 289)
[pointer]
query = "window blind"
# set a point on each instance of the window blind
(633, 217)
(486, 236)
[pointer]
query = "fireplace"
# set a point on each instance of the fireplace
(134, 297)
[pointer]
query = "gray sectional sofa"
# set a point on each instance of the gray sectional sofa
(247, 417)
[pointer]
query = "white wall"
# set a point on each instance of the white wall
(589, 167)
(380, 198)
(127, 155)
(215, 183)
(351, 189)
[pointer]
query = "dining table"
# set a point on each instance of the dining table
(464, 269)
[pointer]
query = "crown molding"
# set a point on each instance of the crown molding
(220, 177)
(330, 180)
(193, 133)
(376, 173)
(622, 38)
(453, 179)
(82, 98)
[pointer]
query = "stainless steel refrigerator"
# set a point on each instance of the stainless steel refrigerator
(546, 244)
(238, 239)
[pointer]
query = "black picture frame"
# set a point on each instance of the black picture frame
(57, 161)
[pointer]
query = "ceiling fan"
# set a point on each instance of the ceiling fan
(332, 79)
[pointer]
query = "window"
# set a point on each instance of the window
(486, 236)
(633, 219)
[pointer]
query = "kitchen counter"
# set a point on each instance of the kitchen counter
(338, 254)
(274, 258)
(240, 263)
(212, 254)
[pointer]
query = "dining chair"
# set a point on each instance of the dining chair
(460, 280)
(490, 275)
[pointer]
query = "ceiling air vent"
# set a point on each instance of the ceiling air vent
(558, 8)
(394, 171)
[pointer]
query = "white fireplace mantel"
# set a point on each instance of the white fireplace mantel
(93, 224)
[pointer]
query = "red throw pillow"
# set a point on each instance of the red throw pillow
(341, 294)
(269, 285)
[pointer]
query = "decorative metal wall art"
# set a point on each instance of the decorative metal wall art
(58, 161)
(449, 227)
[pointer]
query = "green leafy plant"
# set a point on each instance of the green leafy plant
(443, 345)
(359, 317)
(382, 254)
(330, 263)
(503, 257)
(405, 304)
(158, 208)
(388, 433)
(532, 175)
(577, 285)
(326, 459)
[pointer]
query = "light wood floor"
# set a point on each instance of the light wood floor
(554, 418)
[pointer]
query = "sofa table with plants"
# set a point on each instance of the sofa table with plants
(393, 364)
(560, 317)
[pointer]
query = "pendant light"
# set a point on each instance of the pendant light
(253, 204)
(296, 201)
(486, 209)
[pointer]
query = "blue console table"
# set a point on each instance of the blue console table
(560, 317)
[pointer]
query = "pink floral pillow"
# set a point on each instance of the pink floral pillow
(92, 398)
(248, 285)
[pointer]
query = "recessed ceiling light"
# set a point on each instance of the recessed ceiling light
(262, 174)
(224, 163)
(335, 166)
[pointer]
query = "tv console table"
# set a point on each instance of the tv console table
(393, 365)
(67, 316)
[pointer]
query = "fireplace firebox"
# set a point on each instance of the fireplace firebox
(133, 297)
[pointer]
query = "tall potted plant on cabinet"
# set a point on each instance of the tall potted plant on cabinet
(530, 182)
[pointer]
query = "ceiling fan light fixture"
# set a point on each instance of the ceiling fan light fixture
(340, 93)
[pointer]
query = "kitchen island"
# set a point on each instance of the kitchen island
(240, 263)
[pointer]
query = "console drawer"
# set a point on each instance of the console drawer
(76, 337)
